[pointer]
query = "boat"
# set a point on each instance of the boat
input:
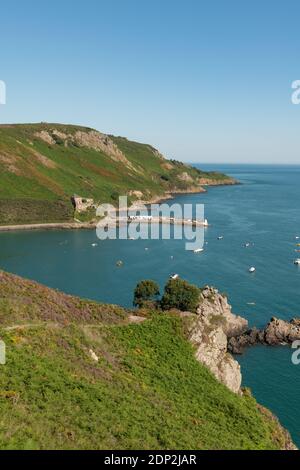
(252, 270)
(174, 277)
(199, 250)
(247, 245)
(297, 261)
(220, 238)
(94, 245)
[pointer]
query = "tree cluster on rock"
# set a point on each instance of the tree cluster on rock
(209, 323)
(178, 294)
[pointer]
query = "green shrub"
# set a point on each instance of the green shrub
(181, 295)
(145, 292)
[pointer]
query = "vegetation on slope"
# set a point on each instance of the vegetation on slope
(147, 391)
(43, 165)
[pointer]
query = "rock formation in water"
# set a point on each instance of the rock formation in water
(209, 331)
(277, 332)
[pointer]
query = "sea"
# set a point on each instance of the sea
(262, 212)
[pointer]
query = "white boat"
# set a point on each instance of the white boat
(199, 250)
(297, 261)
(252, 270)
(247, 245)
(94, 245)
(174, 277)
(220, 238)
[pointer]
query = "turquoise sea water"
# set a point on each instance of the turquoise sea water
(263, 210)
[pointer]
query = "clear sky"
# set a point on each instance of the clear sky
(204, 81)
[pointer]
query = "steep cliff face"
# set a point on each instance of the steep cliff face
(209, 331)
(214, 307)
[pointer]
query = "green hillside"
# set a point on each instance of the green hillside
(147, 391)
(43, 165)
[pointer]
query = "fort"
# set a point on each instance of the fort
(82, 204)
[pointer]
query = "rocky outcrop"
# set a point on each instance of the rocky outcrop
(282, 332)
(215, 308)
(10, 163)
(226, 181)
(277, 332)
(185, 177)
(86, 138)
(211, 350)
(45, 136)
(209, 330)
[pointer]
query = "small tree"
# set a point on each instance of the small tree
(145, 292)
(181, 295)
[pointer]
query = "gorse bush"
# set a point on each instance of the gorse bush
(145, 292)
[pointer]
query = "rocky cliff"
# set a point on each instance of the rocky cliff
(209, 331)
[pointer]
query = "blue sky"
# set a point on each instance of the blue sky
(204, 81)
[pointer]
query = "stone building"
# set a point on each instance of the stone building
(82, 204)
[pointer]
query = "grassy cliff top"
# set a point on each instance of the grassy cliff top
(43, 165)
(146, 391)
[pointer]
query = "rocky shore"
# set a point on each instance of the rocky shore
(277, 332)
(50, 226)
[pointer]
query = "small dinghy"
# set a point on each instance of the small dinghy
(174, 277)
(297, 262)
(252, 270)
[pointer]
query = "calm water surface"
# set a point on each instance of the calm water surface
(264, 210)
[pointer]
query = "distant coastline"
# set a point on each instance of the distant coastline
(93, 225)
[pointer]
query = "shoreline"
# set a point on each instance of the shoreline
(93, 225)
(49, 226)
